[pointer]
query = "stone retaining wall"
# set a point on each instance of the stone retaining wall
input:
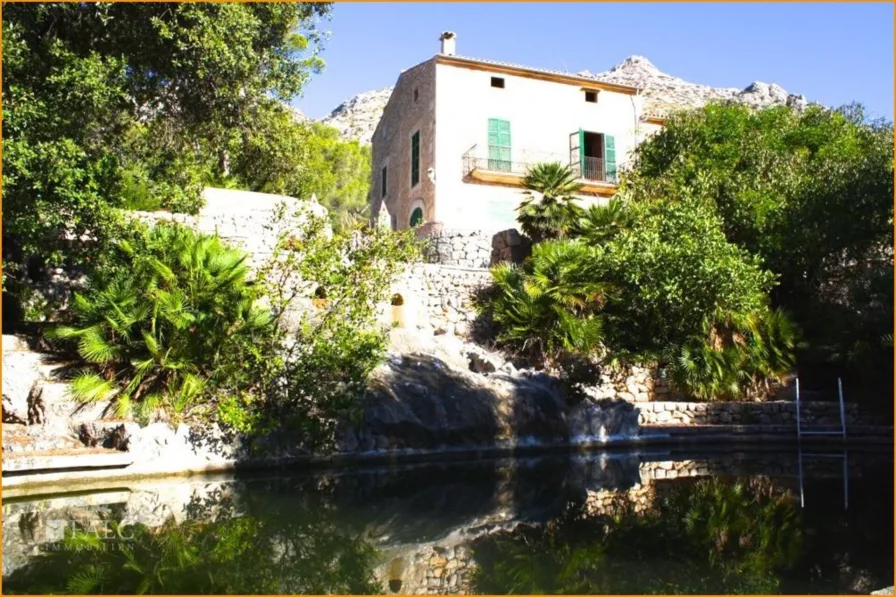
(744, 413)
(242, 218)
(440, 297)
(464, 248)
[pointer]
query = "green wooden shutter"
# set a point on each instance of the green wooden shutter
(499, 144)
(415, 158)
(610, 158)
(577, 152)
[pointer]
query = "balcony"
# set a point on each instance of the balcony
(590, 172)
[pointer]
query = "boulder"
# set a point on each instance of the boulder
(420, 402)
(21, 374)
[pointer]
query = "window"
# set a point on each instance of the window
(384, 182)
(591, 97)
(498, 82)
(416, 95)
(416, 217)
(592, 156)
(498, 144)
(415, 158)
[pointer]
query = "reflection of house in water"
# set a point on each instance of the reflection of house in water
(475, 126)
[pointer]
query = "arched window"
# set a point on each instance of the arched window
(416, 217)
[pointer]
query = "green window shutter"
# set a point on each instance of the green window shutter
(384, 182)
(610, 158)
(415, 158)
(577, 152)
(416, 217)
(499, 144)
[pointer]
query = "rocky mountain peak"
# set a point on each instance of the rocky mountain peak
(357, 117)
(636, 64)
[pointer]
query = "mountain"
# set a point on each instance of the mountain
(356, 118)
(664, 92)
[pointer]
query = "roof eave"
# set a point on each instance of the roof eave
(536, 74)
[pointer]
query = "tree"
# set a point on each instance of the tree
(112, 105)
(280, 155)
(549, 208)
(811, 195)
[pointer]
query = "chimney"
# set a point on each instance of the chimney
(448, 43)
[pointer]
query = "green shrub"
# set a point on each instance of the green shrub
(551, 305)
(729, 361)
(175, 320)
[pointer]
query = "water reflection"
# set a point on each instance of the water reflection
(713, 536)
(599, 524)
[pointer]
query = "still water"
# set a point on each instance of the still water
(628, 523)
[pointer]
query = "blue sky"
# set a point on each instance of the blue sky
(831, 53)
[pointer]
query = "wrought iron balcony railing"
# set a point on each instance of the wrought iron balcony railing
(590, 169)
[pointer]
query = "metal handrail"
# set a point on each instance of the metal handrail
(800, 433)
(799, 427)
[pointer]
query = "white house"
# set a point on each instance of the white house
(458, 134)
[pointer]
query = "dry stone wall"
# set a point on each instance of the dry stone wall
(474, 248)
(744, 413)
(440, 297)
(250, 221)
(463, 248)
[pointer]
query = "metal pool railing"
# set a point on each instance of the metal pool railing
(801, 431)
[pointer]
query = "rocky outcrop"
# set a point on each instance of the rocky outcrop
(418, 402)
(665, 93)
(356, 118)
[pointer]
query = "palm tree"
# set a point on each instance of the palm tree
(552, 306)
(549, 209)
(155, 334)
(599, 223)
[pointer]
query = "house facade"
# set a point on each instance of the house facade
(458, 135)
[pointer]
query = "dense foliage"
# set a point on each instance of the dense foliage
(646, 281)
(179, 327)
(811, 195)
(731, 222)
(139, 106)
(326, 346)
(180, 320)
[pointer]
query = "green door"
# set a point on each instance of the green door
(610, 159)
(416, 217)
(499, 144)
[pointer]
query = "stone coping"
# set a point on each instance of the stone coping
(752, 437)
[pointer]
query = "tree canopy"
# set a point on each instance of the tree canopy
(138, 106)
(808, 194)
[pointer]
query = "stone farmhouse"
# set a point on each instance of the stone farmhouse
(458, 135)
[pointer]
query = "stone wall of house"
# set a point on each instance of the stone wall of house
(745, 413)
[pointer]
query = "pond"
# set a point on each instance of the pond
(602, 523)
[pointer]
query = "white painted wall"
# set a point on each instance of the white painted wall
(542, 116)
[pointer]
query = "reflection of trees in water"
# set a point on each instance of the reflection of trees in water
(214, 551)
(713, 536)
